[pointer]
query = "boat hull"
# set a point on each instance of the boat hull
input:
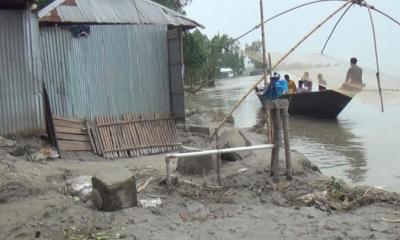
(323, 104)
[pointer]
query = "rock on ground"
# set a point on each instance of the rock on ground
(114, 190)
(232, 138)
(194, 165)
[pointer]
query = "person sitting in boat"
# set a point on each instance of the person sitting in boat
(305, 83)
(291, 85)
(321, 82)
(275, 88)
(354, 75)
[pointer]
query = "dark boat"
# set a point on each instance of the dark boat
(322, 104)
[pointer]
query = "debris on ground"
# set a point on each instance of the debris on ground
(336, 195)
(80, 187)
(242, 170)
(4, 142)
(73, 233)
(194, 211)
(150, 203)
(45, 154)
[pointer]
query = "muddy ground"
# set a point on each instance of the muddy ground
(248, 206)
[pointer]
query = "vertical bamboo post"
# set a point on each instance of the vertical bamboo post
(218, 158)
(263, 42)
(275, 113)
(285, 119)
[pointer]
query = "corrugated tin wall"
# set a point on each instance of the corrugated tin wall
(176, 73)
(116, 69)
(20, 73)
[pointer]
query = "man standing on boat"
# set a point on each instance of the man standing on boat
(354, 74)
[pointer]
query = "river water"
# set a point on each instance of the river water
(362, 146)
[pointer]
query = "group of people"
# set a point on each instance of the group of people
(306, 84)
(278, 87)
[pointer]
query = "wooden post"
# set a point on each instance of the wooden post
(263, 43)
(276, 107)
(218, 158)
(285, 119)
(275, 116)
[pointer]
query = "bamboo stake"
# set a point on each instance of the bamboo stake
(278, 63)
(263, 42)
(378, 78)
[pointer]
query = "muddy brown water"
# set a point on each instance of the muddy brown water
(362, 146)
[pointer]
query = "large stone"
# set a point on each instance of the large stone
(114, 190)
(232, 138)
(194, 165)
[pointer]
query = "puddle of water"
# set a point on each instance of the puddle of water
(361, 146)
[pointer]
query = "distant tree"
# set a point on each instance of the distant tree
(257, 47)
(195, 55)
(43, 3)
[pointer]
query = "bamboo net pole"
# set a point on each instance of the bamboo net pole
(334, 28)
(278, 63)
(280, 14)
(378, 78)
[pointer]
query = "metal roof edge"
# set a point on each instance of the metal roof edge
(178, 14)
(46, 10)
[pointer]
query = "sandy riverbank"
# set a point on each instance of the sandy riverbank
(249, 206)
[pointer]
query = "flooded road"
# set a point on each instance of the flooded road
(361, 146)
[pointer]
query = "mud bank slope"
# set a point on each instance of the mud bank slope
(248, 206)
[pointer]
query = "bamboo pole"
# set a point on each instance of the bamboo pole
(263, 42)
(334, 28)
(280, 14)
(376, 57)
(279, 62)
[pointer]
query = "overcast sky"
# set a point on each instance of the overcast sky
(353, 36)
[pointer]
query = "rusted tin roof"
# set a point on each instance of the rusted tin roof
(113, 12)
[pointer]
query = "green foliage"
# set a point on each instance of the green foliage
(204, 57)
(43, 3)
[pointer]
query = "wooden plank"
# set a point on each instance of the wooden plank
(72, 137)
(149, 146)
(150, 133)
(131, 121)
(90, 136)
(82, 131)
(97, 140)
(74, 146)
(74, 120)
(102, 135)
(68, 124)
(130, 134)
(143, 135)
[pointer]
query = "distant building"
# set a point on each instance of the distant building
(95, 57)
(226, 73)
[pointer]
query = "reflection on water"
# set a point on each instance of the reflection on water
(355, 147)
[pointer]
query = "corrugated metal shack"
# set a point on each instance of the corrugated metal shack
(113, 56)
(20, 68)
